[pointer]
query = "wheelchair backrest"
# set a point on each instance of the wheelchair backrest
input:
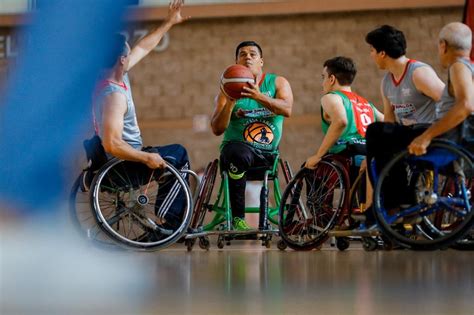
(95, 153)
(467, 133)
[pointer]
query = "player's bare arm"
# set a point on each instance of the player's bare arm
(463, 91)
(378, 115)
(388, 113)
(150, 41)
(114, 109)
(427, 82)
(333, 107)
(222, 113)
(282, 104)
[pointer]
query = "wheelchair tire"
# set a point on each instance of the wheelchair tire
(206, 186)
(124, 198)
(466, 242)
(83, 218)
(414, 224)
(311, 205)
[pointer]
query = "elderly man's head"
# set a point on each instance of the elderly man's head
(455, 39)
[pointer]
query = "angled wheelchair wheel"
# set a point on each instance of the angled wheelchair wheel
(310, 205)
(81, 214)
(141, 208)
(435, 209)
(443, 220)
(206, 186)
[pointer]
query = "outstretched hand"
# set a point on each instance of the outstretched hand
(174, 12)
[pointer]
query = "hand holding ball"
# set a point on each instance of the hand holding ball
(234, 79)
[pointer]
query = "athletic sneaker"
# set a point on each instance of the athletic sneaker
(240, 224)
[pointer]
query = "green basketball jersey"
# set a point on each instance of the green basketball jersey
(253, 123)
(360, 114)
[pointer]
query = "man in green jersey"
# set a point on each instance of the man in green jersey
(345, 115)
(252, 126)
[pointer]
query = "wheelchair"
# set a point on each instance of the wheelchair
(128, 204)
(437, 210)
(221, 222)
(319, 203)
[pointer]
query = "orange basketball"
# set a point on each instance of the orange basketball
(234, 78)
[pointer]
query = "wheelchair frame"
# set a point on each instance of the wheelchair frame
(221, 223)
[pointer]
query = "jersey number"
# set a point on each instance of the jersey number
(364, 116)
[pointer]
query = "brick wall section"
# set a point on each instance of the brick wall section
(181, 82)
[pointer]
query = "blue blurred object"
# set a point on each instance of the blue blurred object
(47, 101)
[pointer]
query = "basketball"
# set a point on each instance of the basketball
(234, 78)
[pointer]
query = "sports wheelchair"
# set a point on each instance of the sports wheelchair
(326, 202)
(437, 211)
(128, 204)
(221, 223)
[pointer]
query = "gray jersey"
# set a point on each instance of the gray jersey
(131, 132)
(409, 105)
(447, 100)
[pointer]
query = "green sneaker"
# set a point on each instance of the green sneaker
(240, 224)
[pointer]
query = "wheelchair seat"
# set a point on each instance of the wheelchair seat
(257, 173)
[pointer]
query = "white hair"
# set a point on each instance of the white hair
(457, 35)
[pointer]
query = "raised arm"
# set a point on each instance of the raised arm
(282, 104)
(114, 109)
(463, 89)
(332, 105)
(151, 40)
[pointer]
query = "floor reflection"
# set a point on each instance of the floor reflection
(44, 274)
(247, 279)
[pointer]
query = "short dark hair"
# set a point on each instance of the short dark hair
(248, 43)
(119, 48)
(388, 39)
(343, 68)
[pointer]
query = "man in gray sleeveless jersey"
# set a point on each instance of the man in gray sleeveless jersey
(120, 133)
(410, 91)
(457, 102)
(410, 88)
(114, 111)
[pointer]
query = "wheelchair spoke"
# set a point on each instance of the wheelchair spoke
(117, 216)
